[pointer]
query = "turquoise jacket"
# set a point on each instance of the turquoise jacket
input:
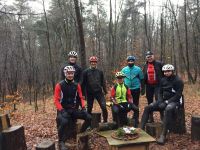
(133, 78)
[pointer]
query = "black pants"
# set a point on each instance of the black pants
(73, 115)
(168, 109)
(136, 95)
(121, 110)
(151, 90)
(102, 103)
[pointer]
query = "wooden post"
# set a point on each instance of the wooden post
(14, 139)
(96, 119)
(4, 122)
(154, 129)
(195, 127)
(46, 145)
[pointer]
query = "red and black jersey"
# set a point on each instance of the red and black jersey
(66, 95)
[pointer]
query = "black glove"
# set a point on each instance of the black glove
(64, 113)
(162, 105)
(134, 107)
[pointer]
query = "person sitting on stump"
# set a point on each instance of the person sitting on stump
(67, 92)
(122, 100)
(169, 97)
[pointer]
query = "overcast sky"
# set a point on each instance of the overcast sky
(37, 5)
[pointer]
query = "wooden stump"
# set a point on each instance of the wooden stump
(107, 126)
(82, 141)
(96, 119)
(14, 139)
(154, 129)
(178, 125)
(4, 122)
(195, 128)
(46, 145)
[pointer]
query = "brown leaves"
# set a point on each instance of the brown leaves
(42, 124)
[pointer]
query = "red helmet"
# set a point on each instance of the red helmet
(93, 58)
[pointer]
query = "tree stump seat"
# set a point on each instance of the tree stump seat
(195, 127)
(46, 145)
(154, 129)
(14, 138)
(178, 125)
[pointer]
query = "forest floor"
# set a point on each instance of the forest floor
(42, 125)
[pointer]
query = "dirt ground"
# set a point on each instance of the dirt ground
(41, 125)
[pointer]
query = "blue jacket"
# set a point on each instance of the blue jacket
(133, 78)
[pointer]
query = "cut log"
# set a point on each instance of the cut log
(107, 126)
(154, 129)
(46, 145)
(195, 127)
(14, 139)
(82, 141)
(96, 119)
(4, 122)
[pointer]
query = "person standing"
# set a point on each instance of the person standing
(152, 75)
(169, 97)
(135, 81)
(72, 59)
(65, 98)
(94, 87)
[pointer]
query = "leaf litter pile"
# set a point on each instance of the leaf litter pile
(41, 125)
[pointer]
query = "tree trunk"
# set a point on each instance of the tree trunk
(81, 34)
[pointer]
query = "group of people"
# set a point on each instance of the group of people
(156, 79)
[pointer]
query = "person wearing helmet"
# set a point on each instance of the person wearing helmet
(93, 86)
(72, 58)
(169, 97)
(152, 75)
(135, 81)
(65, 98)
(122, 100)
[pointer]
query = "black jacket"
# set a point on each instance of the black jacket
(93, 81)
(158, 70)
(77, 75)
(171, 89)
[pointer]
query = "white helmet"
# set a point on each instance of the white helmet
(168, 67)
(69, 69)
(73, 53)
(120, 74)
